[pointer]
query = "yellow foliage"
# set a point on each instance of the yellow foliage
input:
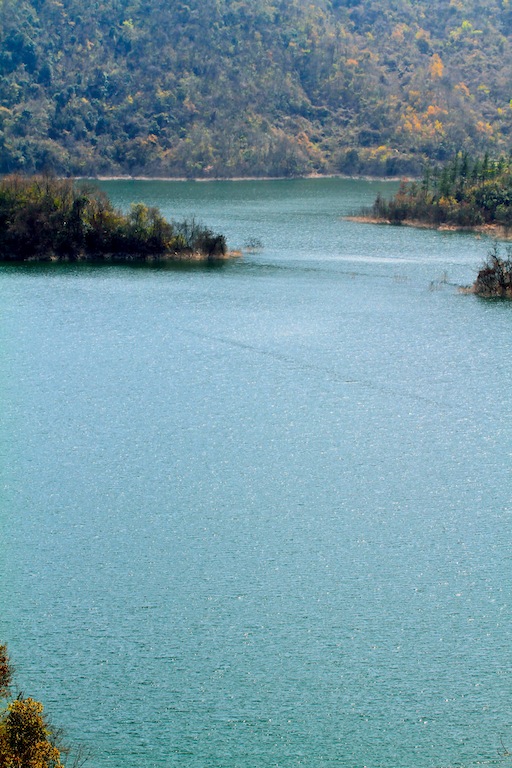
(399, 32)
(485, 128)
(412, 123)
(462, 88)
(381, 153)
(422, 124)
(436, 67)
(448, 200)
(467, 26)
(466, 29)
(416, 123)
(25, 739)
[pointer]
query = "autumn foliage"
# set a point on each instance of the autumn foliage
(227, 88)
(26, 738)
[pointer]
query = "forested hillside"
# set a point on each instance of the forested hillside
(251, 87)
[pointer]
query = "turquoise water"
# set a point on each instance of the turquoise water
(260, 515)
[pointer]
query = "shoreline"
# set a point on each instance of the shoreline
(202, 179)
(489, 230)
(129, 259)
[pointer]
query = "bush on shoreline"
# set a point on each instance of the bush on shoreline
(47, 219)
(494, 280)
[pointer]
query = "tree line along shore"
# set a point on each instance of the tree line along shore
(464, 193)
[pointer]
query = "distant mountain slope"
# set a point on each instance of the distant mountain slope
(251, 87)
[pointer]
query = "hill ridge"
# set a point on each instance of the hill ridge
(228, 88)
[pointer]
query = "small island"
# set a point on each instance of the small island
(43, 218)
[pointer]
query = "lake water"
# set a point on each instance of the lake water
(260, 515)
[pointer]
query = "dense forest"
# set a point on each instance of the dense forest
(213, 88)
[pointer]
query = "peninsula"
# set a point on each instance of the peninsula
(463, 194)
(43, 218)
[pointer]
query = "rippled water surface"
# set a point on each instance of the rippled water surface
(260, 515)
